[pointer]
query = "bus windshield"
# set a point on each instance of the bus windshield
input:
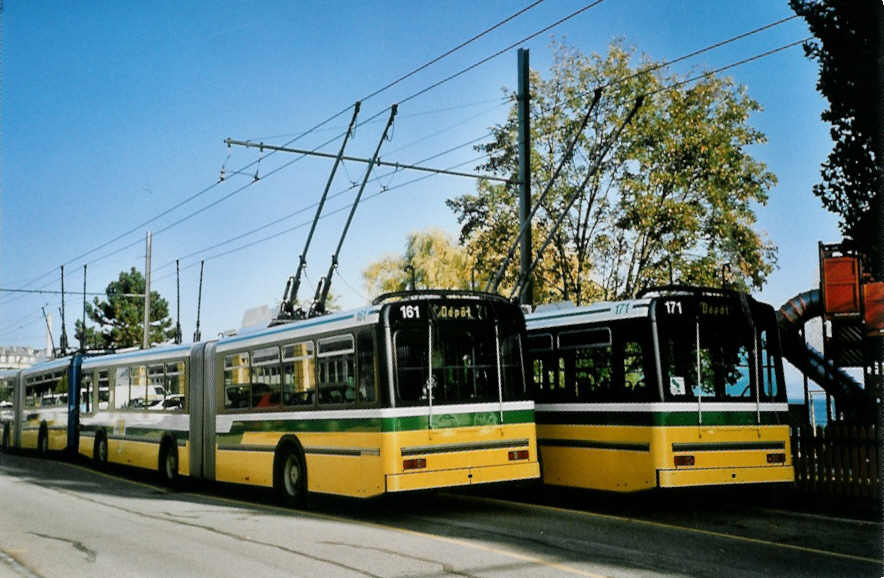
(471, 359)
(710, 351)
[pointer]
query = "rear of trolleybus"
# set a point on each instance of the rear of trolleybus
(724, 417)
(460, 412)
(681, 389)
(134, 410)
(424, 391)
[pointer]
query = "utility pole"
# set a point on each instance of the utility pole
(145, 342)
(63, 340)
(526, 297)
(83, 329)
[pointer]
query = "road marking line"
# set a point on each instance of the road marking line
(822, 517)
(671, 527)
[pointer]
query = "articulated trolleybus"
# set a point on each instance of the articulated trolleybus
(681, 387)
(420, 390)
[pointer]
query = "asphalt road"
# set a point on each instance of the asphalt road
(62, 519)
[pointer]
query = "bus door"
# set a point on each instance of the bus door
(73, 444)
(201, 400)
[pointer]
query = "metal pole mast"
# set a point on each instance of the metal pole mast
(145, 342)
(63, 340)
(526, 296)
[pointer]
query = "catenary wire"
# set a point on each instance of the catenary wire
(299, 136)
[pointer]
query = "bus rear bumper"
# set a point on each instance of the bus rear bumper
(720, 476)
(462, 477)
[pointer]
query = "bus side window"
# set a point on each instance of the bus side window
(365, 363)
(336, 364)
(265, 378)
(138, 387)
(543, 374)
(298, 383)
(635, 381)
(590, 359)
(104, 390)
(86, 393)
(237, 389)
(175, 386)
(121, 388)
(30, 395)
(768, 370)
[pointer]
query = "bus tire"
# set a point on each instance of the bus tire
(290, 474)
(43, 441)
(168, 462)
(99, 450)
(5, 445)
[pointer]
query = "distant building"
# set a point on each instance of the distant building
(20, 357)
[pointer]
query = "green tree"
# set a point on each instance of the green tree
(120, 319)
(846, 46)
(675, 189)
(437, 261)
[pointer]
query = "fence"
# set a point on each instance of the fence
(838, 460)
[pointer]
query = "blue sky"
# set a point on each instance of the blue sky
(112, 112)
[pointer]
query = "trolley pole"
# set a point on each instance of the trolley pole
(526, 297)
(145, 342)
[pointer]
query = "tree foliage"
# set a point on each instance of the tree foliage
(437, 261)
(676, 190)
(120, 319)
(847, 37)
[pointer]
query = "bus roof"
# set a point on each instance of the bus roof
(567, 313)
(295, 329)
(49, 365)
(139, 355)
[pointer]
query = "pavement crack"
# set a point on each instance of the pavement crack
(220, 532)
(91, 555)
(447, 568)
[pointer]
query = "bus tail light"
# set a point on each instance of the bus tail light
(684, 460)
(776, 458)
(518, 455)
(414, 464)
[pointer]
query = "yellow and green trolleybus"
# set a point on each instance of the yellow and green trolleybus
(133, 409)
(681, 387)
(8, 386)
(419, 390)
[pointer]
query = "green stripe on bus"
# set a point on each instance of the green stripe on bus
(388, 424)
(637, 418)
(139, 432)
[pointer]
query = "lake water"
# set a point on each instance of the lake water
(819, 408)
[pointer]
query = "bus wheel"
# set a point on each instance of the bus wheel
(43, 442)
(290, 479)
(168, 465)
(99, 451)
(5, 446)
